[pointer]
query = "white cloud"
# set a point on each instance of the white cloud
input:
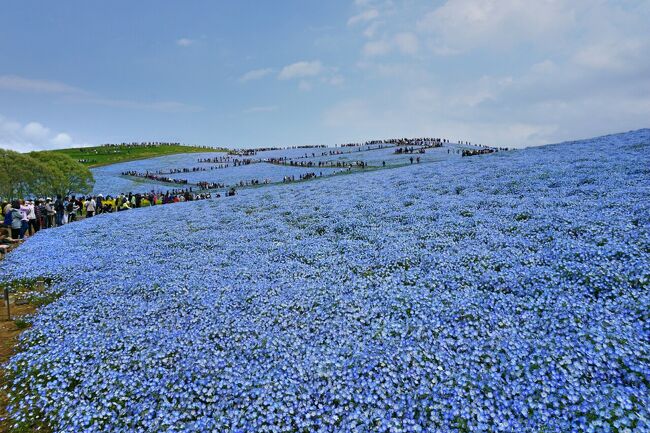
(613, 55)
(461, 25)
(301, 70)
(372, 29)
(309, 73)
(376, 48)
(161, 106)
(62, 140)
(334, 80)
(261, 109)
(36, 131)
(255, 74)
(75, 94)
(531, 72)
(485, 89)
(364, 16)
(404, 42)
(305, 85)
(185, 42)
(22, 84)
(31, 136)
(352, 114)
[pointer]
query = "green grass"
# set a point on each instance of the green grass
(104, 155)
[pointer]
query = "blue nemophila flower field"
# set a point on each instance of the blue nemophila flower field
(109, 179)
(500, 293)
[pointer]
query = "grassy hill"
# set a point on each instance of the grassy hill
(97, 156)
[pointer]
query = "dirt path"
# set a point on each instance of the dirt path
(10, 330)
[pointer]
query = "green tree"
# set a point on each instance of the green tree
(22, 176)
(66, 175)
(39, 174)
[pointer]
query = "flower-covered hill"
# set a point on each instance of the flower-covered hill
(508, 292)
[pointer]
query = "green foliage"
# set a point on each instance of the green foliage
(67, 175)
(40, 174)
(21, 324)
(97, 156)
(21, 176)
(522, 216)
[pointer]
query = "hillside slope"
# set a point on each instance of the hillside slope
(507, 292)
(97, 156)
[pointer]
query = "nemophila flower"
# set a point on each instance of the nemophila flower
(110, 179)
(490, 294)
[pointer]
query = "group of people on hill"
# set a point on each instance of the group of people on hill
(406, 149)
(473, 152)
(21, 218)
(210, 185)
(227, 161)
(302, 176)
(156, 177)
(251, 152)
(216, 160)
(26, 217)
(183, 170)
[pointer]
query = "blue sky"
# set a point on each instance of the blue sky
(281, 73)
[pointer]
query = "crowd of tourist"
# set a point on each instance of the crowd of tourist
(254, 151)
(156, 177)
(303, 176)
(183, 170)
(309, 164)
(22, 218)
(406, 149)
(226, 161)
(210, 185)
(472, 152)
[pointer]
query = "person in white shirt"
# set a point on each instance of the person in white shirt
(31, 217)
(90, 207)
